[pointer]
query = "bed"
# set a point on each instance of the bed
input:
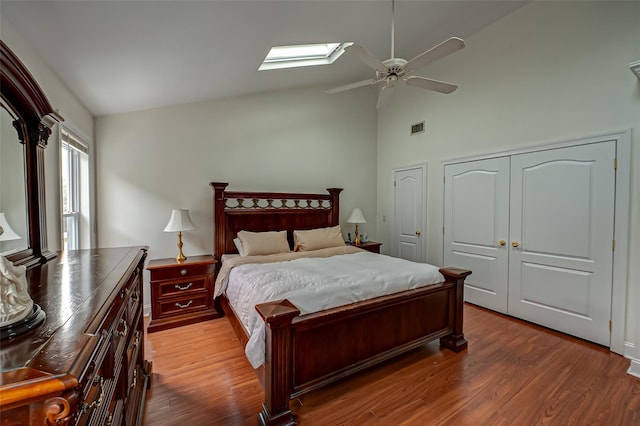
(360, 334)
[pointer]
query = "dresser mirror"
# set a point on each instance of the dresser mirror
(13, 189)
(27, 119)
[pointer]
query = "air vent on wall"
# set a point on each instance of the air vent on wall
(417, 128)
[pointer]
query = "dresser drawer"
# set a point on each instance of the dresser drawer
(177, 288)
(116, 413)
(183, 305)
(134, 301)
(131, 358)
(177, 272)
(97, 402)
(125, 325)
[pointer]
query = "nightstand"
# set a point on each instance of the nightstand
(371, 246)
(181, 293)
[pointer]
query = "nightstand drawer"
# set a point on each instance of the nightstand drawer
(174, 288)
(178, 272)
(179, 306)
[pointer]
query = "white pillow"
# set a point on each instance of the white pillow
(238, 244)
(316, 239)
(261, 243)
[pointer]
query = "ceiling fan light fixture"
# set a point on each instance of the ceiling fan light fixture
(302, 55)
(392, 69)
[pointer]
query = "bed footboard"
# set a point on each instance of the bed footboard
(278, 363)
(456, 341)
(348, 339)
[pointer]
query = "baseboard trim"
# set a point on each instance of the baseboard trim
(634, 368)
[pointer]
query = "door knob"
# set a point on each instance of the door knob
(502, 243)
(418, 233)
(515, 244)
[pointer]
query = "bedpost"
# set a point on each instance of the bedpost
(278, 363)
(218, 218)
(455, 341)
(335, 205)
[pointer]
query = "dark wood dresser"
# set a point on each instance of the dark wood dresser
(85, 364)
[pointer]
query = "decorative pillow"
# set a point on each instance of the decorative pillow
(260, 243)
(316, 239)
(238, 244)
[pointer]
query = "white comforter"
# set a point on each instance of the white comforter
(314, 284)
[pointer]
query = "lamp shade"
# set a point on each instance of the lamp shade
(356, 216)
(180, 221)
(6, 233)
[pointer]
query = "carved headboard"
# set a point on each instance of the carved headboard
(235, 211)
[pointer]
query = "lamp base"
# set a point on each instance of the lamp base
(180, 258)
(356, 241)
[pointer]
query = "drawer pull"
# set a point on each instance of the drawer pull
(135, 378)
(136, 342)
(98, 402)
(183, 271)
(135, 297)
(184, 306)
(126, 328)
(181, 288)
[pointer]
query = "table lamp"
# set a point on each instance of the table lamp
(180, 221)
(357, 217)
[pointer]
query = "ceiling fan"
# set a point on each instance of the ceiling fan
(394, 69)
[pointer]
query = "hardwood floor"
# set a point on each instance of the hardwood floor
(513, 373)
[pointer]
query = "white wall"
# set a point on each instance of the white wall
(153, 161)
(75, 114)
(551, 71)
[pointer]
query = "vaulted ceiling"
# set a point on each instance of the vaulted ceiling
(120, 56)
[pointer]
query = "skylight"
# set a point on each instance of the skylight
(302, 55)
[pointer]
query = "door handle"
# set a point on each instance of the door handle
(418, 233)
(515, 244)
(502, 243)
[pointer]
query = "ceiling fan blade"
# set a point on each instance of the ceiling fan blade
(385, 95)
(441, 50)
(365, 56)
(352, 86)
(429, 84)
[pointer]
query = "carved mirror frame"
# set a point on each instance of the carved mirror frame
(35, 118)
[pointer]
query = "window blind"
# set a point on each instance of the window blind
(74, 141)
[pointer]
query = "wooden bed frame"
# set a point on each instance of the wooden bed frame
(304, 352)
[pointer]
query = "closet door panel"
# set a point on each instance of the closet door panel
(561, 231)
(476, 220)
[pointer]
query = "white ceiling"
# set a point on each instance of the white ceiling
(121, 56)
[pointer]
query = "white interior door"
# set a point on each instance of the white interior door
(560, 259)
(476, 228)
(409, 213)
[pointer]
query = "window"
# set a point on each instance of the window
(74, 171)
(302, 55)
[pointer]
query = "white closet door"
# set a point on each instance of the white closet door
(562, 211)
(476, 222)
